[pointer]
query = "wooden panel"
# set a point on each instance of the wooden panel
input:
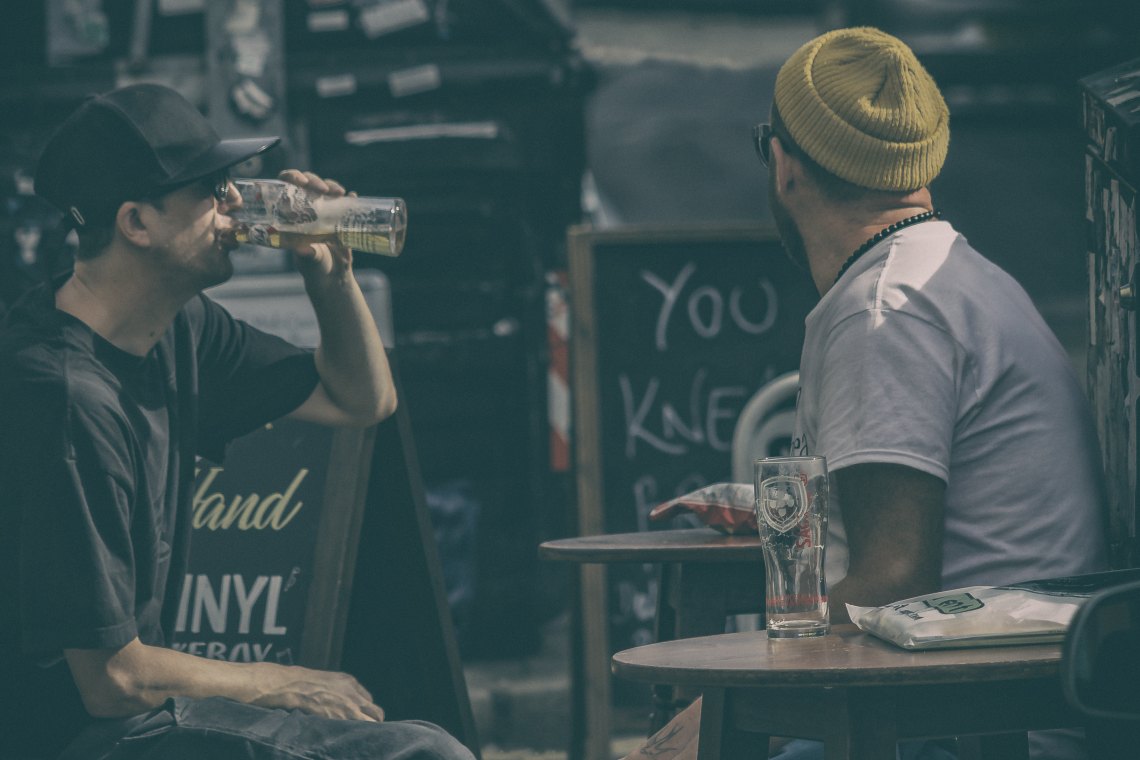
(334, 558)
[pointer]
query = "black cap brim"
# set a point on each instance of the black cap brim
(223, 155)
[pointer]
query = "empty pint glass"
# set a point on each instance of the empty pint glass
(791, 513)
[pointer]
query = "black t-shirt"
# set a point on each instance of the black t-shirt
(97, 455)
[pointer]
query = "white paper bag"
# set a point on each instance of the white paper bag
(1023, 613)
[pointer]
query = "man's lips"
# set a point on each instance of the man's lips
(227, 238)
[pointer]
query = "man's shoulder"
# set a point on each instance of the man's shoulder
(31, 346)
(46, 359)
(930, 272)
(939, 262)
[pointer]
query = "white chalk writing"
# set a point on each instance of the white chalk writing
(710, 418)
(705, 306)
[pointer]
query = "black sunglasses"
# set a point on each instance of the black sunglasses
(220, 185)
(762, 141)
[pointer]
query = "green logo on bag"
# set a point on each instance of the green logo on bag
(952, 604)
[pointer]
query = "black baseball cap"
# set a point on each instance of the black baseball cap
(134, 142)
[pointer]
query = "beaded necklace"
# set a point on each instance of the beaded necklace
(885, 233)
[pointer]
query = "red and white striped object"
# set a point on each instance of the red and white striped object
(558, 372)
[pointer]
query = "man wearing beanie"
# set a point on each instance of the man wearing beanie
(112, 380)
(960, 443)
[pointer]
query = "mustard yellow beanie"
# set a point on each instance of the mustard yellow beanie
(859, 103)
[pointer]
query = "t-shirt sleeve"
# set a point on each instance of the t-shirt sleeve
(246, 377)
(77, 577)
(890, 393)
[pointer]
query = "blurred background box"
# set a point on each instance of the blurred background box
(475, 115)
(392, 25)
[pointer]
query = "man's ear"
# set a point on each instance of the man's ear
(131, 225)
(788, 169)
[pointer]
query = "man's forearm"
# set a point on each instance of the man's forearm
(351, 360)
(138, 678)
(893, 515)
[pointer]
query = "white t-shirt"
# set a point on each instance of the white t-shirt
(926, 354)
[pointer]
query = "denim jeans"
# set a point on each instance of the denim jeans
(221, 729)
(804, 749)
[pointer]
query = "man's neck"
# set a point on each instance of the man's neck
(838, 230)
(119, 305)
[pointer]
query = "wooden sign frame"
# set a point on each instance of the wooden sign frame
(337, 544)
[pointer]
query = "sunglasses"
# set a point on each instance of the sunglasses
(762, 141)
(219, 184)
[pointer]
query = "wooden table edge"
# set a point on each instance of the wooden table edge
(1043, 662)
(681, 545)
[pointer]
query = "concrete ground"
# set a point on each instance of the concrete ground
(522, 707)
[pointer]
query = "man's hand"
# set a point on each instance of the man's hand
(318, 692)
(325, 259)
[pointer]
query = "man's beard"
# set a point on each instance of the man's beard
(789, 232)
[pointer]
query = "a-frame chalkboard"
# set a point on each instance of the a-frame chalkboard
(673, 330)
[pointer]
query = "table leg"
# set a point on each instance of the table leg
(578, 709)
(712, 725)
(665, 629)
(694, 599)
(690, 602)
(870, 722)
(720, 737)
(595, 663)
(870, 741)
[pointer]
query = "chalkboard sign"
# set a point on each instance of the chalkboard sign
(673, 332)
(275, 526)
(274, 546)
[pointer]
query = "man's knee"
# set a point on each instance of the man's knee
(427, 741)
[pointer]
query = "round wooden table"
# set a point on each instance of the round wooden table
(856, 693)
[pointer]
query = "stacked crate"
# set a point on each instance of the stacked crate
(1112, 174)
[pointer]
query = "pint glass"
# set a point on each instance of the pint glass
(791, 513)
